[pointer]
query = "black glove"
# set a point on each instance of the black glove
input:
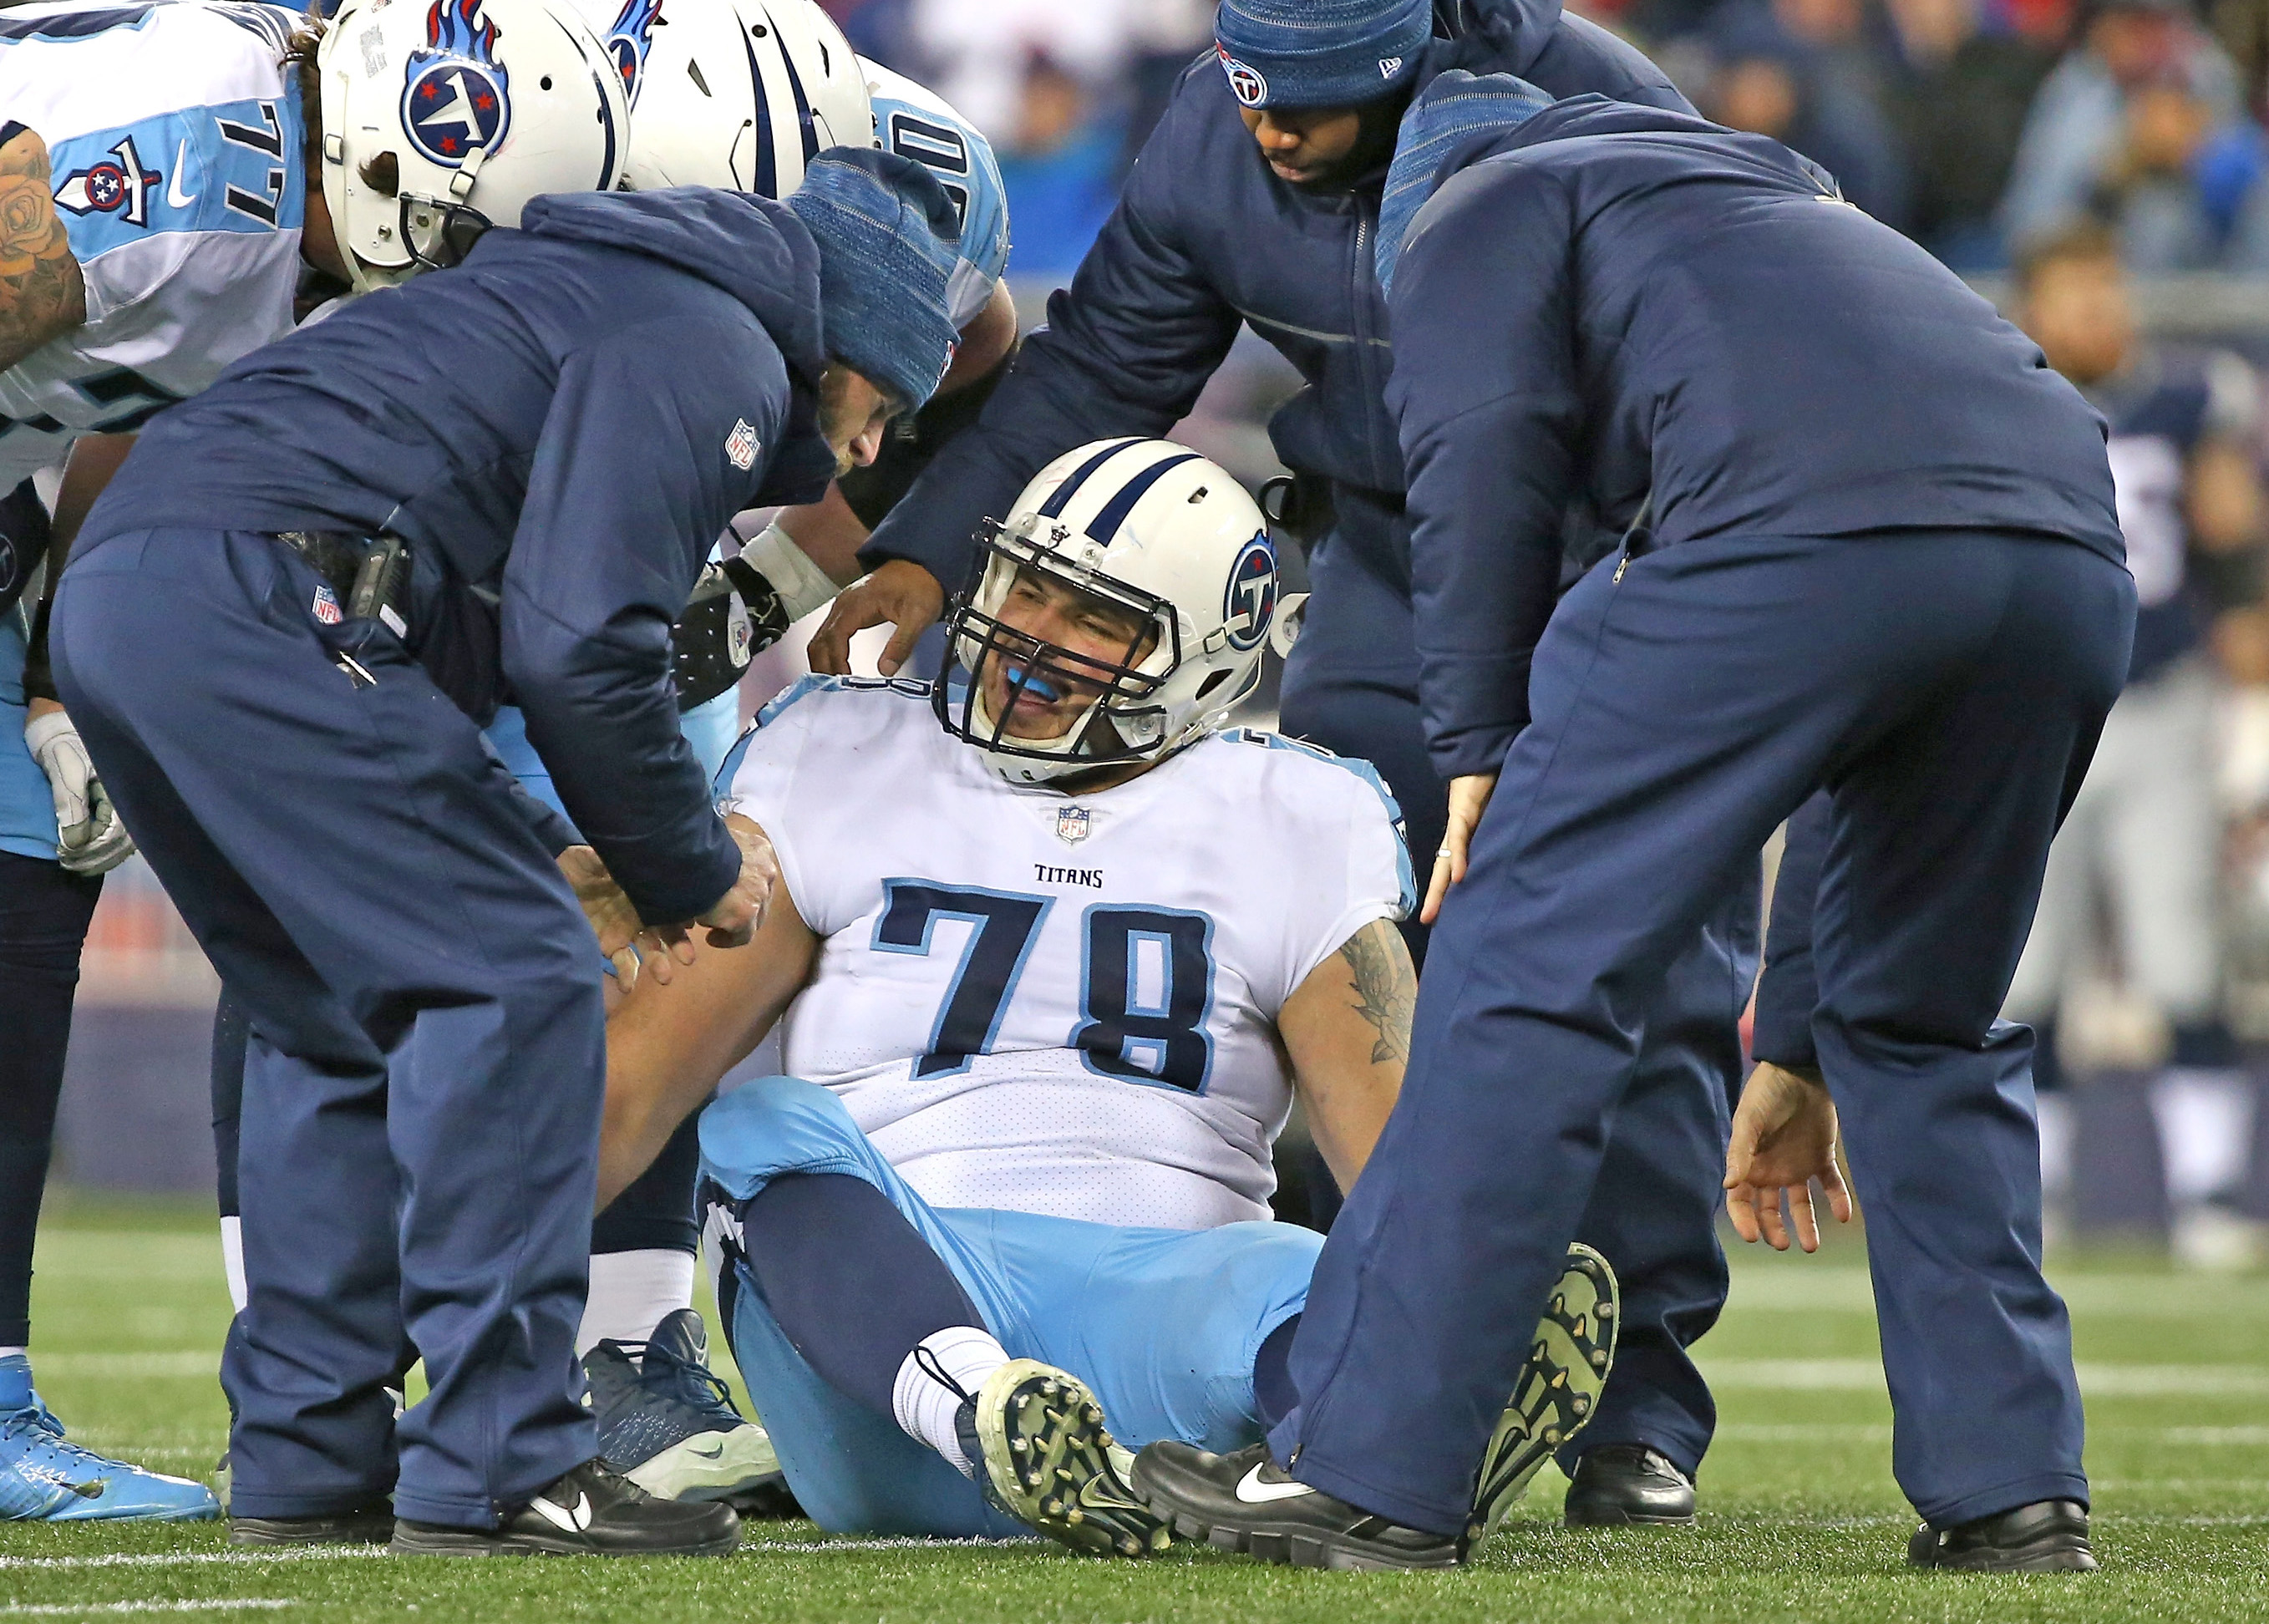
(733, 614)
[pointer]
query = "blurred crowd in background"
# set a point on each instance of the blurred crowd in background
(2101, 167)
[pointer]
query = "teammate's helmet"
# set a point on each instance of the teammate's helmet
(1156, 530)
(442, 118)
(735, 93)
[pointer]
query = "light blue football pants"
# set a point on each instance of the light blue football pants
(1163, 1324)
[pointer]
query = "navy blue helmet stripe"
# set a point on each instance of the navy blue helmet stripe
(1061, 498)
(767, 174)
(1105, 524)
(795, 87)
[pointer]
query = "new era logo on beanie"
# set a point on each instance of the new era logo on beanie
(1318, 53)
(1458, 109)
(888, 239)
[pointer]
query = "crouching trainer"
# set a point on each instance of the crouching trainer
(1878, 556)
(287, 620)
(1012, 1208)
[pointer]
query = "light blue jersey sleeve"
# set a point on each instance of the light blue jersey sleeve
(914, 122)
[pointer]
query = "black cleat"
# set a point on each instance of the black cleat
(370, 1524)
(591, 1511)
(1619, 1485)
(2048, 1536)
(1246, 1502)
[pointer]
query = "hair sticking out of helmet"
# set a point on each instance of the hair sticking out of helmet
(1116, 616)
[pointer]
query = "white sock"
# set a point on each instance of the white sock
(924, 1406)
(632, 1292)
(10, 1353)
(232, 1261)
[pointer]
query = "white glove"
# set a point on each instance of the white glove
(802, 584)
(91, 839)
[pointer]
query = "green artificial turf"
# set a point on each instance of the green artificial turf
(1800, 1517)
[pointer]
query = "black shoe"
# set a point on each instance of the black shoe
(370, 1524)
(1244, 1502)
(2048, 1536)
(591, 1511)
(1620, 1484)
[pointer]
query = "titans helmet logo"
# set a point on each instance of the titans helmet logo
(629, 40)
(455, 94)
(1244, 81)
(1251, 601)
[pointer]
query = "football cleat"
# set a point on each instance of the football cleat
(44, 1477)
(1245, 1501)
(666, 1423)
(1045, 1456)
(367, 1524)
(2048, 1536)
(1559, 1387)
(591, 1511)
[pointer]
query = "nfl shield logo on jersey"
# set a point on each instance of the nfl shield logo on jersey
(741, 446)
(1072, 824)
(326, 606)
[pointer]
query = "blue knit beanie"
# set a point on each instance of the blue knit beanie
(887, 238)
(1319, 53)
(1456, 109)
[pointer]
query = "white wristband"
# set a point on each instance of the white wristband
(802, 584)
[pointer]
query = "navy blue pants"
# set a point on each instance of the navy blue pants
(1351, 686)
(1947, 689)
(426, 1059)
(44, 913)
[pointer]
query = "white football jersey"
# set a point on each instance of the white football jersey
(1050, 1003)
(176, 145)
(916, 122)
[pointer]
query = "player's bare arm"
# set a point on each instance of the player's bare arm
(42, 295)
(1347, 1028)
(668, 1043)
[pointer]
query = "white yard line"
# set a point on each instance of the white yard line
(2097, 1380)
(337, 1553)
(82, 1609)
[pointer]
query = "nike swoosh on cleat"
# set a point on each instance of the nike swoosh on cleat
(715, 1454)
(173, 192)
(1253, 1492)
(559, 1517)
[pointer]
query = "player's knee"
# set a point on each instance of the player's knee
(776, 1126)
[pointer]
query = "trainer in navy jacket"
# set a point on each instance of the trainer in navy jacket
(558, 428)
(1206, 240)
(1881, 559)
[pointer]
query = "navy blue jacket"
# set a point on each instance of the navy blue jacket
(1207, 237)
(1617, 307)
(561, 428)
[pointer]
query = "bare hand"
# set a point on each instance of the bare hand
(736, 916)
(901, 594)
(616, 922)
(1469, 797)
(1784, 1138)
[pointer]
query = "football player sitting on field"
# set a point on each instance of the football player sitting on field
(1048, 979)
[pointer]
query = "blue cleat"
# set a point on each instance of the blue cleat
(44, 1477)
(668, 1425)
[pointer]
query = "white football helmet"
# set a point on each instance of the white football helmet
(444, 117)
(734, 93)
(1152, 527)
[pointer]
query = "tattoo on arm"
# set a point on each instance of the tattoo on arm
(1386, 988)
(42, 291)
